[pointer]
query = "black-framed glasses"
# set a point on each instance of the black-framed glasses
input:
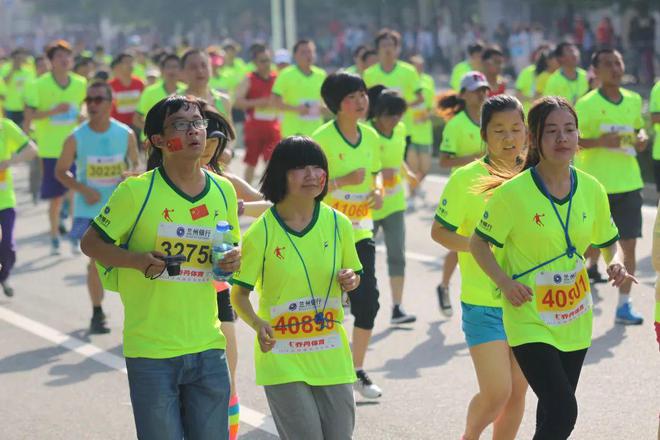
(95, 100)
(197, 124)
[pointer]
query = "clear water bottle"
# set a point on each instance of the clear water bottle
(222, 242)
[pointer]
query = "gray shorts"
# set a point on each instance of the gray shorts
(394, 228)
(309, 412)
(420, 148)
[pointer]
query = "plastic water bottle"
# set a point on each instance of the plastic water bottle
(222, 242)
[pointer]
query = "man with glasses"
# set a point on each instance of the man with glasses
(53, 103)
(254, 95)
(100, 148)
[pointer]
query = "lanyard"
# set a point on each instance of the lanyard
(570, 248)
(319, 317)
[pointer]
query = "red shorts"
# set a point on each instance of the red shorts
(260, 141)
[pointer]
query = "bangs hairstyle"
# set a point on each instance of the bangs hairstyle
(154, 122)
(191, 52)
(496, 104)
(165, 57)
(385, 102)
(291, 153)
(219, 127)
(337, 86)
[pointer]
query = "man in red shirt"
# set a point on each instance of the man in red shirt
(262, 126)
(127, 89)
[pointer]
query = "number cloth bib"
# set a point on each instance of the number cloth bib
(562, 297)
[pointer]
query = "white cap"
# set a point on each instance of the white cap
(282, 56)
(474, 80)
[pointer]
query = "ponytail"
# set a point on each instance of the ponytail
(450, 104)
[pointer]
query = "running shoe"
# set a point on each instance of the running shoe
(55, 246)
(627, 316)
(443, 300)
(399, 316)
(366, 387)
(62, 229)
(7, 289)
(594, 275)
(98, 325)
(75, 246)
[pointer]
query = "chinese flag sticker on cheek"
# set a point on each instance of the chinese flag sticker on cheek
(174, 145)
(200, 211)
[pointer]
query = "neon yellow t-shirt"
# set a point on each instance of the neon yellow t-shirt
(526, 84)
(571, 89)
(352, 69)
(618, 170)
(344, 158)
(654, 107)
(47, 94)
(403, 78)
(296, 88)
(169, 316)
(422, 126)
(461, 137)
(14, 98)
(12, 141)
(304, 350)
(392, 155)
(460, 210)
(457, 74)
(560, 311)
(150, 96)
(229, 77)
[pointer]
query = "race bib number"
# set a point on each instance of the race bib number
(194, 242)
(68, 117)
(562, 297)
(105, 170)
(3, 179)
(627, 134)
(392, 183)
(314, 110)
(354, 206)
(296, 330)
(420, 113)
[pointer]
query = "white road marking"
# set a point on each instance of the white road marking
(251, 417)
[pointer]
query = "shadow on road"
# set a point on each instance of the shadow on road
(38, 265)
(601, 347)
(430, 353)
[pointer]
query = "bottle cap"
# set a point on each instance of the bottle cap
(223, 226)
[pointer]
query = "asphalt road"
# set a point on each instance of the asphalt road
(57, 382)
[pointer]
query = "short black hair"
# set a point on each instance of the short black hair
(474, 48)
(256, 49)
(165, 57)
(191, 52)
(56, 45)
(359, 49)
(99, 84)
(300, 43)
(81, 61)
(368, 53)
(559, 50)
(490, 53)
(386, 33)
(291, 153)
(385, 102)
(119, 58)
(595, 58)
(337, 86)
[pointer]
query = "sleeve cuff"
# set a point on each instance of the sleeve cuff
(22, 147)
(359, 272)
(451, 153)
(104, 235)
(488, 238)
(607, 243)
(233, 281)
(445, 223)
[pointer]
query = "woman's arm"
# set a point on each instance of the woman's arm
(449, 239)
(240, 299)
(616, 271)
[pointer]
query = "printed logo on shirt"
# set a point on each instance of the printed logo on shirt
(216, 213)
(198, 212)
(325, 244)
(584, 216)
(279, 252)
(166, 215)
(537, 219)
(106, 211)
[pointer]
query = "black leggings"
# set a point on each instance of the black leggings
(553, 375)
(364, 299)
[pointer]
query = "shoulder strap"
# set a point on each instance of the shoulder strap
(144, 204)
(217, 185)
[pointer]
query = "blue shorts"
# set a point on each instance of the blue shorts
(80, 225)
(482, 324)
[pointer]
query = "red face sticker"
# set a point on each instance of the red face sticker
(199, 212)
(323, 178)
(174, 145)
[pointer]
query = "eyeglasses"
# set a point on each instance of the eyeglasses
(95, 100)
(197, 124)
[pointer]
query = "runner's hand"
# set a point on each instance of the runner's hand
(641, 141)
(354, 178)
(610, 140)
(149, 264)
(231, 260)
(91, 196)
(265, 336)
(516, 293)
(303, 110)
(60, 108)
(617, 274)
(348, 280)
(376, 199)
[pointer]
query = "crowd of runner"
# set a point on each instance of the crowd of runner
(132, 155)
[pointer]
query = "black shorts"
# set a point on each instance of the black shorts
(364, 299)
(225, 310)
(626, 211)
(656, 173)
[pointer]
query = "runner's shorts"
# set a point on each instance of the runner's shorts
(482, 324)
(259, 142)
(626, 211)
(51, 188)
